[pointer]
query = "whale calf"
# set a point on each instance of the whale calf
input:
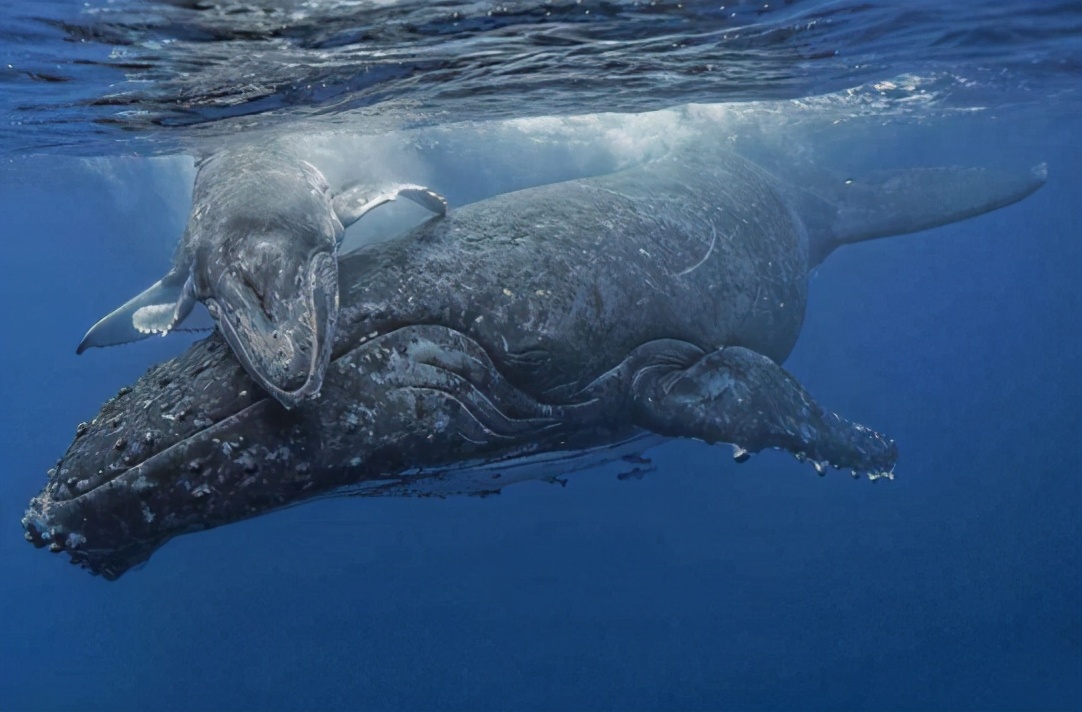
(518, 337)
(259, 251)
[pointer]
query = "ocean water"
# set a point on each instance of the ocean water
(703, 585)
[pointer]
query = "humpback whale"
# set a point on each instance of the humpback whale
(520, 336)
(260, 252)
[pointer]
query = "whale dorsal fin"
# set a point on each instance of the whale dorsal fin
(897, 202)
(161, 308)
(351, 204)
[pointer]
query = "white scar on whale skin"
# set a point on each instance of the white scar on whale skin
(709, 250)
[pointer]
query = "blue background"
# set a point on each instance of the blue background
(704, 585)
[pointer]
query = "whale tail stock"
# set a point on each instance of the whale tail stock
(897, 202)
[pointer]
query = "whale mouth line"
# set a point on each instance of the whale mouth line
(314, 323)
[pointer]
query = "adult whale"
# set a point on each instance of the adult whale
(260, 250)
(571, 320)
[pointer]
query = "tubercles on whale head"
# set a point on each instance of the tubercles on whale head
(174, 474)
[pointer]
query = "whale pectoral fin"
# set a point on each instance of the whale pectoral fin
(351, 204)
(424, 197)
(157, 310)
(897, 202)
(737, 396)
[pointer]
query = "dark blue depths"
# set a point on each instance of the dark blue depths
(704, 585)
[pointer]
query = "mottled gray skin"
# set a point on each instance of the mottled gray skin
(259, 251)
(568, 318)
(262, 241)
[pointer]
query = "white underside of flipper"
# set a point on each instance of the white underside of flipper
(153, 318)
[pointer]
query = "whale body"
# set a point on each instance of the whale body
(519, 336)
(260, 251)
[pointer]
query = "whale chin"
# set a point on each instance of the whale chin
(48, 523)
(285, 346)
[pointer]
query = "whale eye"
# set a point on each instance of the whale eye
(251, 285)
(259, 293)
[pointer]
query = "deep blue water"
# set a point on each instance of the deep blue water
(704, 585)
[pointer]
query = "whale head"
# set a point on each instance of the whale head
(191, 445)
(275, 300)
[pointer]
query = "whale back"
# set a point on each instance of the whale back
(560, 282)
